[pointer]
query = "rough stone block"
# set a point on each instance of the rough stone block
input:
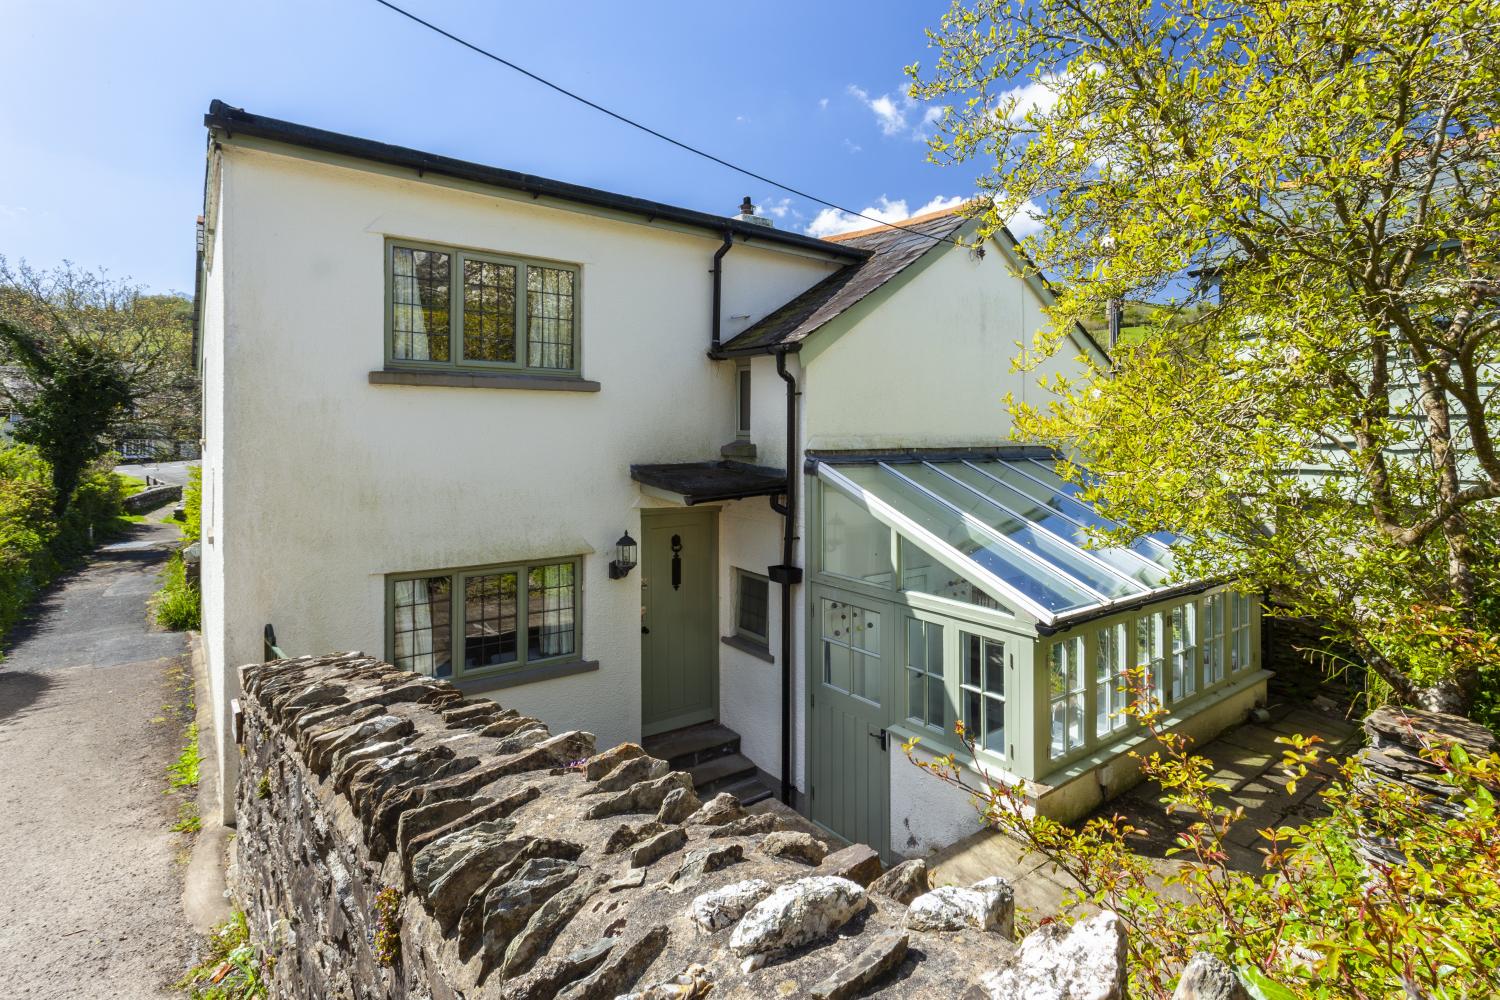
(1056, 962)
(797, 914)
(857, 863)
(657, 847)
(795, 845)
(874, 963)
(714, 911)
(903, 883)
(679, 804)
(988, 905)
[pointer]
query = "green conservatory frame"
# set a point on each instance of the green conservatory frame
(1013, 533)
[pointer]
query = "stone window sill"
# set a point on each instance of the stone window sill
(525, 675)
(482, 380)
(756, 649)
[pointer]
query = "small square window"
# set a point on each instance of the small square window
(751, 607)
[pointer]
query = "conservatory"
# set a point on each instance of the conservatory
(963, 588)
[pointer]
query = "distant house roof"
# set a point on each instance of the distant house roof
(233, 121)
(890, 251)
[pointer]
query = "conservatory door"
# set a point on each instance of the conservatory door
(851, 700)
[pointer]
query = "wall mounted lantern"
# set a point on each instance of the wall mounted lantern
(624, 560)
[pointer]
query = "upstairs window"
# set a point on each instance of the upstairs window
(455, 308)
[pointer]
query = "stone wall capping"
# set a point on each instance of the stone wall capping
(530, 864)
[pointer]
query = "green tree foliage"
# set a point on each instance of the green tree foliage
(35, 543)
(96, 359)
(1384, 896)
(1334, 165)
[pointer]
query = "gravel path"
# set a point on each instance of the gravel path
(90, 715)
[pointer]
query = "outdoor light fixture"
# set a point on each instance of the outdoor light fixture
(624, 560)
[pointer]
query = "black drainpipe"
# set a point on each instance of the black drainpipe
(718, 273)
(787, 574)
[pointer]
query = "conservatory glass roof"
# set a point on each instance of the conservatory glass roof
(1016, 527)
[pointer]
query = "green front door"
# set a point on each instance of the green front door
(679, 604)
(853, 645)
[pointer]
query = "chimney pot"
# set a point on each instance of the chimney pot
(747, 207)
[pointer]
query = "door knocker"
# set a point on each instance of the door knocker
(676, 562)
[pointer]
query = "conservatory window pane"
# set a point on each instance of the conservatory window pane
(1069, 524)
(922, 573)
(924, 666)
(1050, 590)
(1063, 556)
(1049, 477)
(982, 688)
(854, 543)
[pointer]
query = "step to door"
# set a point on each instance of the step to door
(710, 753)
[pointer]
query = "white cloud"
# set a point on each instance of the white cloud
(1025, 221)
(853, 147)
(822, 104)
(832, 221)
(894, 113)
(777, 208)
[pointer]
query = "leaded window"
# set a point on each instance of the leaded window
(926, 694)
(1065, 691)
(473, 621)
(466, 309)
(982, 691)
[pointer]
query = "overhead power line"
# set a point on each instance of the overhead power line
(648, 129)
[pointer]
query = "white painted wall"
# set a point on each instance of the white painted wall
(749, 687)
(930, 365)
(329, 483)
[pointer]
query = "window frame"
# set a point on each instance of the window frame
(962, 687)
(456, 362)
(761, 641)
(947, 710)
(456, 578)
(744, 413)
(1237, 631)
(1072, 650)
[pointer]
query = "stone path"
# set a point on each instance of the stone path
(1248, 761)
(90, 873)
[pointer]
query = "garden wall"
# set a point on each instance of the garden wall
(397, 840)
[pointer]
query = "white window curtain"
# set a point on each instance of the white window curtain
(410, 319)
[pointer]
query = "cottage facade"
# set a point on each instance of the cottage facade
(439, 396)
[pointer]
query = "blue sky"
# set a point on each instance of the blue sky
(101, 137)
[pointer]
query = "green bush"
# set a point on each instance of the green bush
(192, 505)
(35, 546)
(178, 606)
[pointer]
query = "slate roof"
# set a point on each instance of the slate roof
(892, 250)
(707, 482)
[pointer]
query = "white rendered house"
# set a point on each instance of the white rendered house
(438, 396)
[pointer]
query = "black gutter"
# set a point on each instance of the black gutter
(232, 121)
(787, 574)
(718, 273)
(1068, 622)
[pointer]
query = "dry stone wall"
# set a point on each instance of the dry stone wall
(398, 840)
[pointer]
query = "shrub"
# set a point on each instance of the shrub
(1384, 896)
(35, 546)
(178, 603)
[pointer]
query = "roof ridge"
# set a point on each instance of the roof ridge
(899, 223)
